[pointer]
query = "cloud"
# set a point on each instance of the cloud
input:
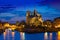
(47, 8)
(7, 15)
(4, 20)
(14, 19)
(18, 18)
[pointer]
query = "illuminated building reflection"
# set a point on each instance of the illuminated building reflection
(45, 36)
(50, 36)
(7, 35)
(58, 35)
(22, 34)
(4, 35)
(13, 33)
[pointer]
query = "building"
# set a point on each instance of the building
(27, 17)
(47, 23)
(1, 26)
(33, 18)
(6, 24)
(12, 26)
(56, 22)
(17, 23)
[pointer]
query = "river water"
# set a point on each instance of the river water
(10, 35)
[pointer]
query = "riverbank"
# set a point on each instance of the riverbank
(33, 30)
(38, 30)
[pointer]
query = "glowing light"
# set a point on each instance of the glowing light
(4, 35)
(40, 20)
(6, 25)
(45, 36)
(57, 26)
(13, 27)
(23, 26)
(50, 36)
(58, 35)
(13, 33)
(45, 25)
(8, 35)
(9, 29)
(22, 35)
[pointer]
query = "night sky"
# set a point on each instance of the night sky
(15, 10)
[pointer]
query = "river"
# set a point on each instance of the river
(10, 35)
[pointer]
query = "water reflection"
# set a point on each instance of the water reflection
(4, 35)
(45, 36)
(10, 35)
(13, 35)
(58, 35)
(7, 34)
(22, 35)
(50, 36)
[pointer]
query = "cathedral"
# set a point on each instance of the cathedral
(33, 18)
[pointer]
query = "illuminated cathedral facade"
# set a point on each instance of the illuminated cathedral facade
(33, 18)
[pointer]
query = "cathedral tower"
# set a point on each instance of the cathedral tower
(35, 13)
(28, 17)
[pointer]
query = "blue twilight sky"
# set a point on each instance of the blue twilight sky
(15, 10)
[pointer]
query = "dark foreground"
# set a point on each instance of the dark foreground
(33, 30)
